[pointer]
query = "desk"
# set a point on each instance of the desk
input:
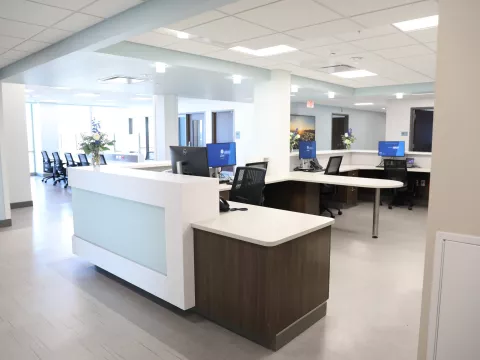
(347, 168)
(304, 198)
(263, 273)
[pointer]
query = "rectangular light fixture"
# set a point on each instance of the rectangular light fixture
(352, 74)
(294, 88)
(237, 79)
(418, 24)
(331, 95)
(160, 67)
(399, 96)
(270, 51)
(363, 104)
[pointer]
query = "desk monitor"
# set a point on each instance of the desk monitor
(307, 149)
(391, 148)
(223, 154)
(194, 160)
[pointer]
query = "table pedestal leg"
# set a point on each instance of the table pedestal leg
(376, 213)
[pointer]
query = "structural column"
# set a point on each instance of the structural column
(166, 125)
(271, 130)
(5, 214)
(454, 188)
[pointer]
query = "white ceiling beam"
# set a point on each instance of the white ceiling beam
(420, 88)
(150, 15)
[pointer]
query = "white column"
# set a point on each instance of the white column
(166, 125)
(5, 214)
(454, 190)
(16, 142)
(271, 130)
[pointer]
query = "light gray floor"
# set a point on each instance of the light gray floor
(56, 306)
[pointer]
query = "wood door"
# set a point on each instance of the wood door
(339, 128)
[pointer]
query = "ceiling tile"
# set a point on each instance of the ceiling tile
(306, 44)
(336, 49)
(14, 54)
(229, 30)
(193, 47)
(397, 72)
(67, 4)
(375, 81)
(397, 14)
(432, 45)
(384, 42)
(268, 41)
(229, 55)
(77, 22)
(404, 51)
(154, 39)
(31, 46)
(7, 42)
(351, 8)
(264, 62)
(289, 14)
(368, 33)
(424, 36)
(32, 13)
(326, 29)
(107, 8)
(243, 5)
(297, 58)
(5, 62)
(18, 29)
(196, 20)
(426, 64)
(52, 35)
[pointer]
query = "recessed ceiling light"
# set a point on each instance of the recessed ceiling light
(383, 108)
(331, 95)
(363, 104)
(160, 67)
(351, 74)
(418, 24)
(270, 51)
(62, 88)
(141, 98)
(237, 79)
(294, 88)
(399, 96)
(87, 95)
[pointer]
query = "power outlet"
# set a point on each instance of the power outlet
(423, 183)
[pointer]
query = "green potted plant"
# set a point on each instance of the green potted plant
(94, 144)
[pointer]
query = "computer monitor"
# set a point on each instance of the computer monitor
(391, 148)
(194, 160)
(307, 149)
(223, 154)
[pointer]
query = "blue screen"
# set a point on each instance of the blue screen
(224, 154)
(308, 149)
(391, 148)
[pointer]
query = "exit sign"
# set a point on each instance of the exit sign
(310, 104)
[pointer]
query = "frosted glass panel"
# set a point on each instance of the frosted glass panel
(129, 229)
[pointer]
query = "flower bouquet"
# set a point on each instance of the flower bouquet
(348, 139)
(94, 144)
(294, 138)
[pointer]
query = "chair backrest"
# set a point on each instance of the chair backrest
(46, 159)
(395, 169)
(333, 166)
(248, 185)
(56, 158)
(102, 160)
(83, 159)
(47, 164)
(261, 165)
(70, 161)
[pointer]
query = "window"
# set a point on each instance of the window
(421, 129)
(31, 141)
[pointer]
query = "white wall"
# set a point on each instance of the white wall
(5, 213)
(243, 117)
(399, 117)
(368, 126)
(16, 142)
(454, 192)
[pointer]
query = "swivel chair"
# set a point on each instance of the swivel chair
(328, 191)
(59, 169)
(83, 160)
(396, 169)
(48, 171)
(248, 186)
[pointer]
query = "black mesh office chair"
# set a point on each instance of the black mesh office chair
(248, 185)
(102, 160)
(83, 160)
(48, 172)
(396, 169)
(261, 165)
(59, 169)
(70, 161)
(328, 191)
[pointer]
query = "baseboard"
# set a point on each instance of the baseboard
(5, 223)
(21, 204)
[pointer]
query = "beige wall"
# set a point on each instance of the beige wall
(455, 191)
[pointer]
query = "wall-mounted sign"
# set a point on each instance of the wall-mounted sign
(404, 133)
(310, 104)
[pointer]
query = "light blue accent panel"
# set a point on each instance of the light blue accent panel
(127, 228)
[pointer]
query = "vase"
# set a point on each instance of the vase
(348, 146)
(96, 160)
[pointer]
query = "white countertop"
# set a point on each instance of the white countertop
(263, 226)
(333, 152)
(345, 168)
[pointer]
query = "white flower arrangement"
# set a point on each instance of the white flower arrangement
(348, 139)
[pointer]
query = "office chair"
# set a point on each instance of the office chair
(102, 160)
(248, 186)
(70, 161)
(48, 172)
(83, 160)
(261, 165)
(328, 191)
(395, 169)
(59, 169)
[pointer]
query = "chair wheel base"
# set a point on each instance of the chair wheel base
(374, 237)
(410, 208)
(340, 212)
(390, 207)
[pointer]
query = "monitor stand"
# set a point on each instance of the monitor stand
(305, 165)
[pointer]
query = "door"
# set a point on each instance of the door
(339, 128)
(422, 134)
(223, 127)
(191, 129)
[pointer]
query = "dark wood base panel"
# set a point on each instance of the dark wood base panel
(269, 295)
(295, 196)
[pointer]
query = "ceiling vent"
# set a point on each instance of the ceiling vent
(336, 68)
(121, 79)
